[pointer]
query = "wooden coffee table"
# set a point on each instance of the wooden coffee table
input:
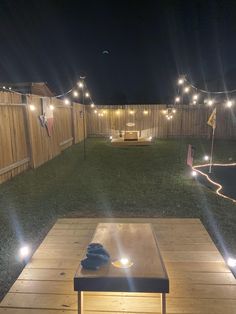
(135, 243)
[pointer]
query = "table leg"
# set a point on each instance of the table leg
(80, 302)
(163, 303)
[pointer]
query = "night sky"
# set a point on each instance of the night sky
(150, 43)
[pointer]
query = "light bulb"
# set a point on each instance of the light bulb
(32, 107)
(229, 103)
(24, 251)
(177, 99)
(194, 173)
(75, 93)
(66, 101)
(231, 262)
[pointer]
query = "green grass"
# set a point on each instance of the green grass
(113, 182)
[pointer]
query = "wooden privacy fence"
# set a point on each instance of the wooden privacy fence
(150, 120)
(24, 142)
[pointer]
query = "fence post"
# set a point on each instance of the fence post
(28, 131)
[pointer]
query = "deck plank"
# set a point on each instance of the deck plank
(200, 281)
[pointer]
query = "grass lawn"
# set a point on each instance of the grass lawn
(113, 182)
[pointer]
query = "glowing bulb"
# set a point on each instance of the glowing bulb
(194, 102)
(66, 101)
(210, 102)
(104, 111)
(174, 110)
(117, 112)
(168, 118)
(131, 112)
(9, 88)
(110, 137)
(124, 261)
(194, 173)
(229, 103)
(32, 107)
(150, 138)
(231, 262)
(145, 112)
(87, 95)
(186, 89)
(81, 85)
(92, 105)
(164, 111)
(206, 157)
(95, 111)
(177, 99)
(102, 114)
(24, 251)
(171, 117)
(51, 107)
(75, 93)
(181, 81)
(195, 97)
(4, 87)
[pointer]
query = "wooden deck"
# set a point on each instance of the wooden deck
(200, 282)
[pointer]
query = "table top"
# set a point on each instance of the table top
(138, 243)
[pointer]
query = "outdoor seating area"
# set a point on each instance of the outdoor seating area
(200, 281)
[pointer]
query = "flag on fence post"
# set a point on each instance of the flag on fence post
(212, 119)
(212, 122)
(46, 118)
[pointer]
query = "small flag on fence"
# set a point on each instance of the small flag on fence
(212, 119)
(190, 155)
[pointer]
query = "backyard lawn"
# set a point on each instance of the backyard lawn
(113, 182)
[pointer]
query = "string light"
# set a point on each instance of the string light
(229, 103)
(87, 94)
(95, 111)
(66, 101)
(145, 112)
(186, 89)
(51, 107)
(218, 185)
(75, 93)
(81, 85)
(131, 112)
(32, 107)
(180, 81)
(92, 105)
(177, 99)
(117, 112)
(195, 97)
(210, 102)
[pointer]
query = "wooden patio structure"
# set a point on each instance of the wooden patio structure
(200, 281)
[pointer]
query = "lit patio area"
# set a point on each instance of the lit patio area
(200, 281)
